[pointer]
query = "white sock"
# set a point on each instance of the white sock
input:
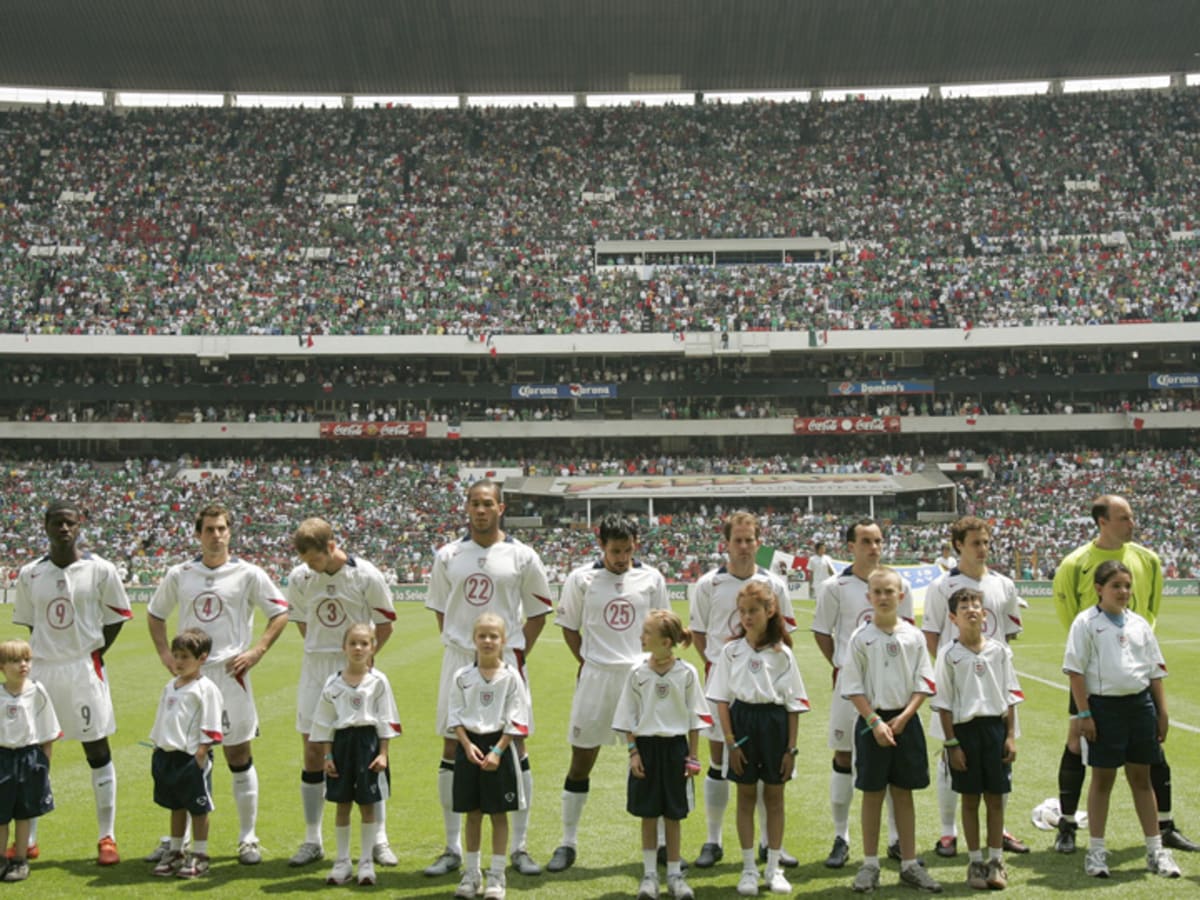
(893, 831)
(200, 848)
(760, 807)
(341, 834)
(572, 812)
(716, 799)
(520, 817)
(381, 836)
(650, 862)
(451, 819)
(841, 793)
(104, 789)
(947, 800)
(245, 797)
(662, 832)
(471, 864)
(32, 832)
(498, 863)
(312, 799)
(370, 832)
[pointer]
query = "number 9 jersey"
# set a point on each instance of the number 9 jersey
(67, 609)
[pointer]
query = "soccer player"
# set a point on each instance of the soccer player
(601, 610)
(486, 571)
(218, 593)
(74, 605)
(971, 539)
(329, 591)
(1074, 592)
(842, 606)
(713, 621)
(820, 567)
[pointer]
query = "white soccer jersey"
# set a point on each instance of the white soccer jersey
(356, 594)
(713, 610)
(482, 707)
(188, 716)
(1115, 660)
(654, 705)
(507, 579)
(345, 705)
(609, 610)
(842, 607)
(821, 569)
(769, 675)
(971, 684)
(885, 668)
(28, 717)
(69, 608)
(220, 601)
(1000, 600)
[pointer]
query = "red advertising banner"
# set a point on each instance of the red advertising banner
(338, 430)
(847, 425)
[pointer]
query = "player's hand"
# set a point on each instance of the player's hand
(737, 760)
(898, 724)
(883, 734)
(330, 769)
(491, 761)
(1010, 752)
(691, 767)
(1164, 723)
(202, 759)
(956, 758)
(787, 766)
(474, 754)
(1087, 728)
(636, 769)
(243, 662)
(169, 661)
(379, 763)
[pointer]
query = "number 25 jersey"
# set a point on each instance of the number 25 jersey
(610, 609)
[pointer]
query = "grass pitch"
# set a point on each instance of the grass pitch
(609, 863)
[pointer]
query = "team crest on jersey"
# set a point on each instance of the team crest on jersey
(330, 589)
(1121, 639)
(209, 581)
(13, 710)
(61, 584)
(980, 668)
(356, 702)
(482, 561)
(171, 701)
(755, 666)
(486, 698)
(893, 648)
(661, 691)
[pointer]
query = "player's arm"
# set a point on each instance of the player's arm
(250, 658)
(158, 634)
(700, 642)
(574, 641)
(1160, 705)
(531, 629)
(110, 633)
(380, 762)
(383, 631)
(1087, 727)
(931, 642)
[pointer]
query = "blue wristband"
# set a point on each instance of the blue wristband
(1084, 714)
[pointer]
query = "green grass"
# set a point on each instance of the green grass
(609, 860)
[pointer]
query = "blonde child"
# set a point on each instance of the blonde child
(1116, 669)
(660, 711)
(488, 709)
(759, 695)
(27, 734)
(354, 721)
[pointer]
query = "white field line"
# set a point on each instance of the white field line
(1182, 726)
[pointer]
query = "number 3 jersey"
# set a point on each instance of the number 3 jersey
(68, 608)
(326, 605)
(219, 601)
(610, 609)
(506, 578)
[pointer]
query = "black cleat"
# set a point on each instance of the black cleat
(839, 854)
(1064, 841)
(1173, 838)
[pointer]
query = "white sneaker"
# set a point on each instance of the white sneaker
(494, 888)
(384, 855)
(648, 889)
(777, 883)
(748, 883)
(1163, 863)
(366, 871)
(470, 886)
(1096, 863)
(341, 873)
(679, 889)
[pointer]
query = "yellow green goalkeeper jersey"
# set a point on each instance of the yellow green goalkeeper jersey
(1075, 589)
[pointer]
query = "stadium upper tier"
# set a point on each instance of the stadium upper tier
(1046, 210)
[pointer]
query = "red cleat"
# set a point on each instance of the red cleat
(107, 852)
(31, 852)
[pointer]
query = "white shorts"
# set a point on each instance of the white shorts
(239, 718)
(453, 659)
(842, 716)
(315, 670)
(596, 694)
(78, 689)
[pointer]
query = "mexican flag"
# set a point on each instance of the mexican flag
(777, 561)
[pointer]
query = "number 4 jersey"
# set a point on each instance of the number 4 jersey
(67, 609)
(609, 609)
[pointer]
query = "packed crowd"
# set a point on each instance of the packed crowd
(396, 511)
(964, 212)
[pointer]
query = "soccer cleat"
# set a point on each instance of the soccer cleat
(917, 877)
(748, 883)
(250, 852)
(1162, 863)
(16, 871)
(1013, 844)
(308, 852)
(838, 854)
(1172, 839)
(106, 852)
(1064, 841)
(562, 859)
(946, 847)
(1096, 863)
(161, 850)
(777, 883)
(366, 871)
(470, 886)
(383, 854)
(977, 875)
(32, 851)
(448, 862)
(785, 859)
(523, 863)
(662, 859)
(648, 889)
(341, 873)
(494, 887)
(866, 880)
(170, 863)
(679, 889)
(710, 854)
(997, 875)
(196, 866)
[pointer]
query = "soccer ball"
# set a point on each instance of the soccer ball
(1046, 815)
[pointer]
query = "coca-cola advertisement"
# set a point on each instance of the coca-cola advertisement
(372, 430)
(847, 425)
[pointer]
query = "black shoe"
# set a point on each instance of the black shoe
(1064, 841)
(1013, 844)
(662, 859)
(709, 856)
(785, 859)
(1172, 837)
(894, 853)
(946, 847)
(562, 859)
(839, 854)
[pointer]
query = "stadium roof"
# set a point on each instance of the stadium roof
(570, 46)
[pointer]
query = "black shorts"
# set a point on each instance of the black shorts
(764, 728)
(665, 791)
(24, 783)
(489, 792)
(181, 784)
(353, 751)
(982, 740)
(1126, 731)
(906, 765)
